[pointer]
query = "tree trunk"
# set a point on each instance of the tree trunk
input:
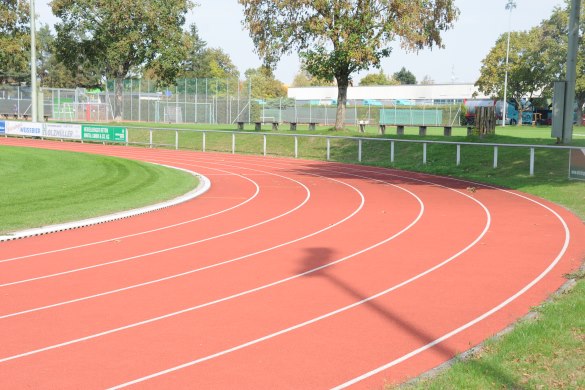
(520, 114)
(342, 84)
(118, 86)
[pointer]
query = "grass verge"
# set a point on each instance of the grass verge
(44, 187)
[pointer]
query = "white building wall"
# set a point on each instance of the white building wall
(414, 92)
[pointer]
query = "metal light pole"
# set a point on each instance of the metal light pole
(571, 70)
(509, 6)
(33, 62)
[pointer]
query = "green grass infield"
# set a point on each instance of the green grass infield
(45, 187)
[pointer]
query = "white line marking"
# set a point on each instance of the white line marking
(324, 316)
(421, 212)
(147, 231)
(477, 319)
(358, 209)
(307, 197)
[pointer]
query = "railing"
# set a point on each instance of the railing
(328, 138)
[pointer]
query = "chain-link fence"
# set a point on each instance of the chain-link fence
(215, 101)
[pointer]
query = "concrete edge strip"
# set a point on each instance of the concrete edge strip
(204, 186)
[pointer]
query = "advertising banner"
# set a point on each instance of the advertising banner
(61, 130)
(2, 127)
(26, 129)
(577, 165)
(104, 133)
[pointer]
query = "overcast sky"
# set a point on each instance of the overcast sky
(481, 22)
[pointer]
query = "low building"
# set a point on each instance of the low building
(402, 94)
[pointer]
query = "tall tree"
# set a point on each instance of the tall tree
(405, 77)
(526, 68)
(14, 41)
(120, 36)
(340, 37)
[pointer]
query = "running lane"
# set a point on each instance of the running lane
(287, 273)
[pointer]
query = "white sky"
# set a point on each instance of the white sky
(480, 23)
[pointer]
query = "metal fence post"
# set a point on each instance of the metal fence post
(264, 145)
(359, 150)
(296, 147)
(203, 146)
(424, 153)
(495, 157)
(328, 149)
(458, 154)
(176, 139)
(531, 161)
(233, 143)
(150, 138)
(391, 151)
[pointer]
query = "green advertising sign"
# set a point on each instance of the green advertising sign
(104, 133)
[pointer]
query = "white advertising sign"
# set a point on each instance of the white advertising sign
(60, 130)
(26, 129)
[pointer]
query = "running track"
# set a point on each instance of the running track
(285, 274)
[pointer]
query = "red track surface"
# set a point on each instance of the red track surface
(285, 274)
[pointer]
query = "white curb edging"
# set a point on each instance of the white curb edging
(204, 186)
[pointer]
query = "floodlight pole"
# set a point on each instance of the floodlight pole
(33, 62)
(571, 70)
(509, 6)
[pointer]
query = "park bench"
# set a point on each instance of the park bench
(293, 126)
(422, 129)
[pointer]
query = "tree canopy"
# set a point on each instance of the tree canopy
(14, 41)
(264, 84)
(339, 38)
(378, 79)
(405, 77)
(526, 67)
(122, 37)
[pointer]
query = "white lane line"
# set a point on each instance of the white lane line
(256, 192)
(481, 317)
(421, 212)
(324, 316)
(307, 197)
(345, 219)
(190, 309)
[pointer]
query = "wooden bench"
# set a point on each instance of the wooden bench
(422, 129)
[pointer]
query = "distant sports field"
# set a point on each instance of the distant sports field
(43, 187)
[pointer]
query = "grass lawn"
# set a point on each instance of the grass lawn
(43, 187)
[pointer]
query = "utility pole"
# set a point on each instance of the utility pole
(509, 6)
(571, 70)
(33, 62)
